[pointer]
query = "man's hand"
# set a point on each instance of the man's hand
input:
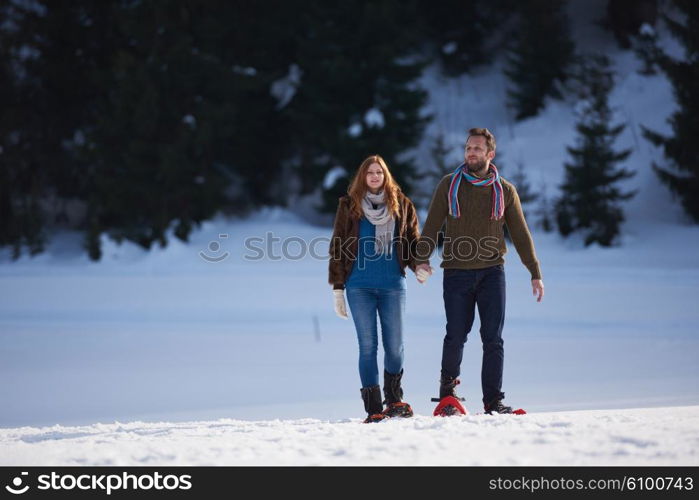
(422, 272)
(538, 289)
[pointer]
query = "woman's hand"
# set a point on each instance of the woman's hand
(422, 272)
(340, 306)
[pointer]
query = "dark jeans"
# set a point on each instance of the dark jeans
(464, 289)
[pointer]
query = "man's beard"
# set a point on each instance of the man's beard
(476, 167)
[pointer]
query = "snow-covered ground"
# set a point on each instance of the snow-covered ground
(168, 336)
(657, 436)
(144, 338)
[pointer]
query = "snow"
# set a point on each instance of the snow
(244, 70)
(284, 89)
(26, 53)
(355, 130)
(539, 143)
(450, 47)
(374, 118)
(79, 138)
(646, 30)
(660, 436)
(190, 120)
(169, 335)
(31, 6)
(332, 176)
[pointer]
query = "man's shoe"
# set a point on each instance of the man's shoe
(497, 407)
(447, 387)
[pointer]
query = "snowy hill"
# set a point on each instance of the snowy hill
(539, 143)
(659, 436)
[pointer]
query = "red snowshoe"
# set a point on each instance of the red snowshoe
(449, 406)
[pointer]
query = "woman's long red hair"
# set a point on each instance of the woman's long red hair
(358, 187)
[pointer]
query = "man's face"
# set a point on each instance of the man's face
(476, 154)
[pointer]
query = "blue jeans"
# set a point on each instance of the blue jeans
(389, 303)
(463, 290)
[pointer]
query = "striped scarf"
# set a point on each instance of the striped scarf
(493, 179)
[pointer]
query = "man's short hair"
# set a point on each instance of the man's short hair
(489, 137)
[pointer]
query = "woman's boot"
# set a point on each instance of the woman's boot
(393, 392)
(372, 404)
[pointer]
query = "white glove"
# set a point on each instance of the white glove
(422, 274)
(340, 306)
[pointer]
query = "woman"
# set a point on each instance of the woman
(374, 238)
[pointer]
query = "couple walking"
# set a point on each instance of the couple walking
(376, 236)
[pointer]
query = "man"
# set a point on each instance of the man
(476, 203)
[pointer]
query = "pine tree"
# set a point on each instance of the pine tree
(189, 125)
(526, 193)
(21, 185)
(590, 199)
(425, 180)
(519, 180)
(464, 33)
(545, 211)
(50, 54)
(359, 94)
(149, 151)
(155, 116)
(681, 149)
(647, 50)
(540, 56)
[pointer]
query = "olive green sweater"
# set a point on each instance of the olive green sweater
(474, 241)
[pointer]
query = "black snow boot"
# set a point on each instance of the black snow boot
(372, 404)
(497, 406)
(393, 392)
(447, 387)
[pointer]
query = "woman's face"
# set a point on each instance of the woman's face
(374, 177)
